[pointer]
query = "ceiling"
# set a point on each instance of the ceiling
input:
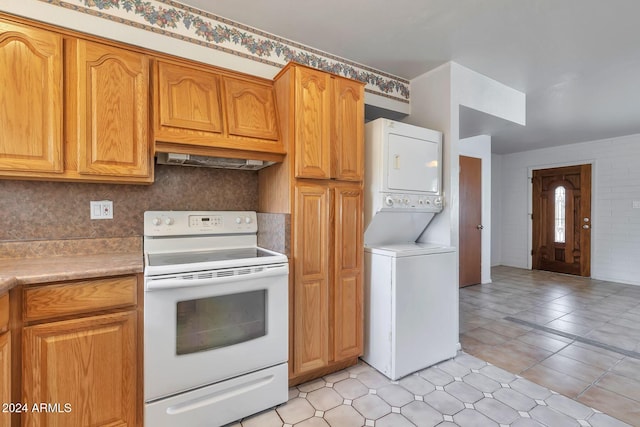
(578, 61)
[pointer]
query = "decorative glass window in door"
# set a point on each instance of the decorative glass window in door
(560, 219)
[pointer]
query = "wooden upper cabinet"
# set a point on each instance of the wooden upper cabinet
(312, 135)
(348, 130)
(186, 99)
(110, 87)
(251, 109)
(205, 111)
(32, 91)
(325, 115)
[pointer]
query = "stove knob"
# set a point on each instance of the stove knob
(388, 201)
(238, 220)
(168, 221)
(247, 220)
(156, 221)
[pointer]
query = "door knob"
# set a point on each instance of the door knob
(479, 226)
(586, 226)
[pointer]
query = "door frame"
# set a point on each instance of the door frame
(594, 218)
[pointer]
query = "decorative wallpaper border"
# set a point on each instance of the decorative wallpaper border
(173, 19)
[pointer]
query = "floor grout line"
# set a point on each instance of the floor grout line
(575, 337)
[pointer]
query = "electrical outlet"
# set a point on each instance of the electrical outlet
(636, 204)
(102, 209)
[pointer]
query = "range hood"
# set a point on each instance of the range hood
(211, 162)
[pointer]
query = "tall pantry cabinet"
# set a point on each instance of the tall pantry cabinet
(320, 185)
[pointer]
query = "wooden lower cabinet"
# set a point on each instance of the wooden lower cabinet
(327, 290)
(347, 272)
(5, 360)
(84, 369)
(311, 282)
(5, 375)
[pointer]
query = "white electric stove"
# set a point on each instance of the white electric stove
(216, 319)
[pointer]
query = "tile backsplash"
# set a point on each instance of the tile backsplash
(34, 210)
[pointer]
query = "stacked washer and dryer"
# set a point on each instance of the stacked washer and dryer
(411, 308)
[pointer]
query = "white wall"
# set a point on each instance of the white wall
(481, 93)
(615, 238)
(436, 97)
(431, 107)
(496, 209)
(480, 147)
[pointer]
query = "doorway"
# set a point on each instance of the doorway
(470, 247)
(561, 220)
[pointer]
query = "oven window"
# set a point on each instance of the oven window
(220, 321)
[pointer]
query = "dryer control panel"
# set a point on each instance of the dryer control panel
(414, 202)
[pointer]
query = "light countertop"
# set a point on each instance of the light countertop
(27, 264)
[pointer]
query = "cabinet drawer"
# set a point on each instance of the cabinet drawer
(4, 312)
(79, 297)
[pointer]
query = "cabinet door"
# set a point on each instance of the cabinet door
(251, 109)
(311, 327)
(5, 374)
(187, 98)
(112, 100)
(32, 88)
(348, 130)
(347, 274)
(89, 363)
(312, 124)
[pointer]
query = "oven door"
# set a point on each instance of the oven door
(208, 326)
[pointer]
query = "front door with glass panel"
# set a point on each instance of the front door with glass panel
(561, 240)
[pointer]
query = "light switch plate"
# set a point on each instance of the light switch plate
(636, 204)
(102, 209)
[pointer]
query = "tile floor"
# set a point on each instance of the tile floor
(538, 331)
(579, 337)
(464, 391)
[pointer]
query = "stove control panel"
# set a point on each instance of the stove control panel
(206, 221)
(183, 223)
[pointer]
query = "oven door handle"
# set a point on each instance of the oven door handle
(172, 283)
